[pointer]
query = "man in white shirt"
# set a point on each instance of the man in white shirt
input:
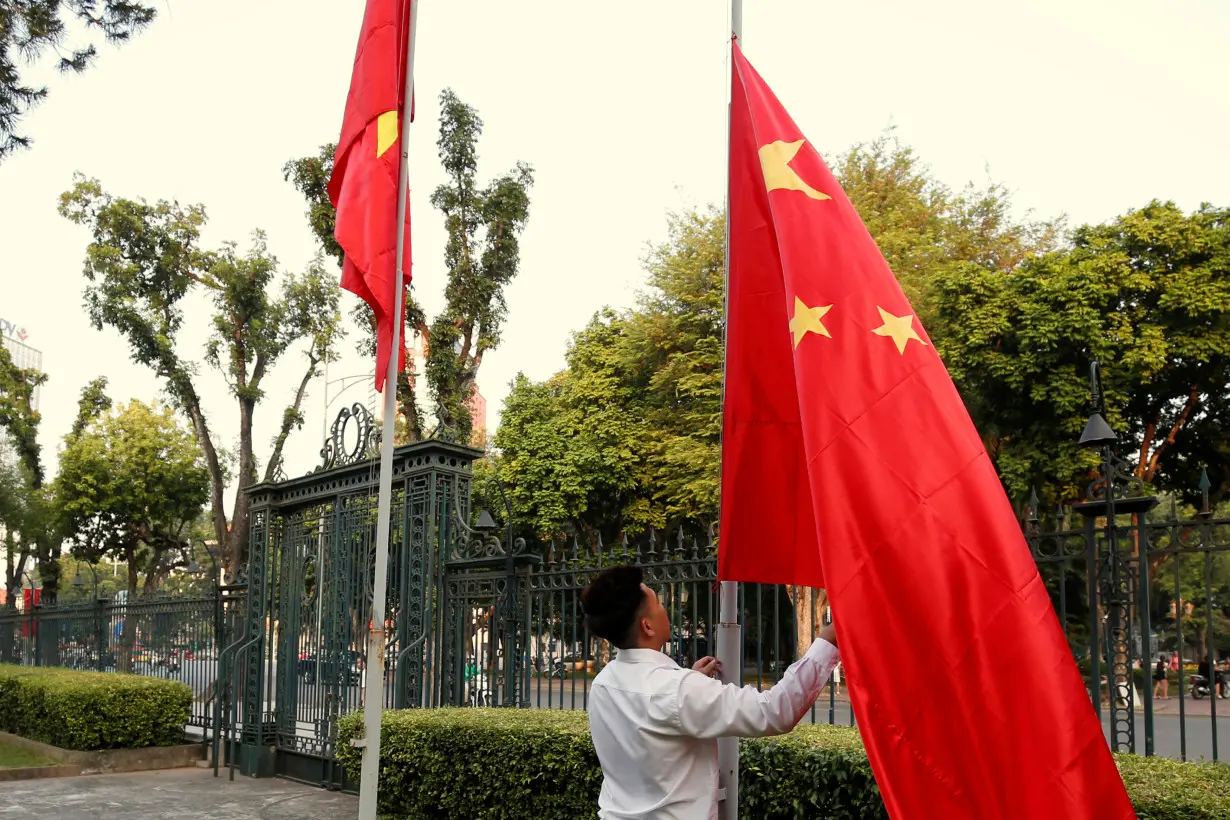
(655, 725)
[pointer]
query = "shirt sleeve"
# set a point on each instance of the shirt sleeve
(709, 708)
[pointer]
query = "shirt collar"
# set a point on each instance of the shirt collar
(650, 656)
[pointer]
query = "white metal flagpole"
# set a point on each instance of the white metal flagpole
(373, 680)
(729, 634)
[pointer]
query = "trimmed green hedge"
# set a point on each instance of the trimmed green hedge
(87, 711)
(506, 764)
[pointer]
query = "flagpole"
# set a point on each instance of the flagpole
(373, 680)
(729, 634)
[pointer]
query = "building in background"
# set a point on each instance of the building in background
(15, 340)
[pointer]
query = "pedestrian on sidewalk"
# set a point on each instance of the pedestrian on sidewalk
(1160, 681)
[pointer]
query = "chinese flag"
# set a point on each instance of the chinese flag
(846, 441)
(364, 184)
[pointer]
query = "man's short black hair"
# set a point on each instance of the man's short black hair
(611, 604)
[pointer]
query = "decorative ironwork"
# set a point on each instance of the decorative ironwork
(1123, 480)
(474, 543)
(366, 445)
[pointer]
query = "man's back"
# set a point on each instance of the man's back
(655, 728)
(650, 769)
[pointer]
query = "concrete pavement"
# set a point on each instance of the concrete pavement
(172, 795)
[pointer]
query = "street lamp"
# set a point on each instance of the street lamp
(79, 582)
(195, 568)
(1111, 577)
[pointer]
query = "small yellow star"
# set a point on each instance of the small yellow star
(807, 320)
(899, 328)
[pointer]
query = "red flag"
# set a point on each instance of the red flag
(843, 429)
(364, 184)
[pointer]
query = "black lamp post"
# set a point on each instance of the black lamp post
(1110, 581)
(79, 582)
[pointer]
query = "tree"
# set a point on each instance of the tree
(310, 176)
(924, 228)
(1147, 295)
(130, 486)
(28, 28)
(627, 437)
(144, 262)
(482, 256)
(23, 505)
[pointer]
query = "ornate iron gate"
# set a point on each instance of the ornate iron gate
(300, 663)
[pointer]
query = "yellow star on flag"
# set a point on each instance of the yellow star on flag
(775, 161)
(899, 328)
(807, 320)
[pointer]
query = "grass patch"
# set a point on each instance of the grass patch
(16, 757)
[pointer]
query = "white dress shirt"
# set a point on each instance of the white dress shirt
(655, 728)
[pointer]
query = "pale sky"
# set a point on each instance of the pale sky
(1087, 108)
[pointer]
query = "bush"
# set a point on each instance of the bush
(87, 711)
(481, 763)
(506, 764)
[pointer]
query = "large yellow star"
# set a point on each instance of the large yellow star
(899, 328)
(807, 320)
(775, 162)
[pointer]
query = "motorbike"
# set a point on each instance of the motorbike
(1201, 688)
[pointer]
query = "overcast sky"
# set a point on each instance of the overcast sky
(1088, 108)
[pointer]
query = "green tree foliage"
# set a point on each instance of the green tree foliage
(924, 228)
(23, 500)
(1148, 295)
(131, 484)
(145, 262)
(29, 28)
(627, 437)
(482, 255)
(310, 176)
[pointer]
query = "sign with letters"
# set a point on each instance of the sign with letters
(12, 330)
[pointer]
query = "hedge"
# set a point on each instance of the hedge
(88, 711)
(505, 764)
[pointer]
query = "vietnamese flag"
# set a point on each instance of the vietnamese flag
(364, 185)
(849, 461)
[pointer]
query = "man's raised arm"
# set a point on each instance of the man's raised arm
(709, 708)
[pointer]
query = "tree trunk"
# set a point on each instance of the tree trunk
(235, 554)
(809, 605)
(123, 663)
(408, 408)
(15, 565)
(217, 504)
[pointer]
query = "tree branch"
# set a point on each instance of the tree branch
(289, 419)
(1193, 399)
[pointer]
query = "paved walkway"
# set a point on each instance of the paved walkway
(172, 795)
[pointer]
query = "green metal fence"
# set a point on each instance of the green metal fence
(177, 638)
(478, 617)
